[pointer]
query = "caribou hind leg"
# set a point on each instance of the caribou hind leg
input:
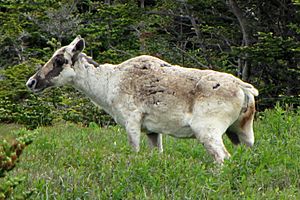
(155, 140)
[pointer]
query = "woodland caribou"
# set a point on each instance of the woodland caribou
(148, 94)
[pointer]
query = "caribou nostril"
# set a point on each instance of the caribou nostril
(31, 83)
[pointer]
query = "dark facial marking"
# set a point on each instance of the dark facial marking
(58, 63)
(59, 60)
(41, 84)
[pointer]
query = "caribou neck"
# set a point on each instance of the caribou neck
(93, 81)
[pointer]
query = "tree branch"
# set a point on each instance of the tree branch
(244, 66)
(193, 58)
(120, 51)
(242, 21)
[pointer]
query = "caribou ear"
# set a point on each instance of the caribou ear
(76, 46)
(79, 45)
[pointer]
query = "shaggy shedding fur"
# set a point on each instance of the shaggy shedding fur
(146, 93)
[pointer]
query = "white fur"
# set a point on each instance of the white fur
(166, 99)
(207, 122)
(65, 77)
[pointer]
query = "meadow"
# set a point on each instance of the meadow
(69, 161)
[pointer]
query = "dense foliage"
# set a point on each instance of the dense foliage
(255, 40)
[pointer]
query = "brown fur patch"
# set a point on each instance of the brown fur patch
(247, 116)
(151, 85)
(162, 88)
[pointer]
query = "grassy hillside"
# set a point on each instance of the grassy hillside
(72, 162)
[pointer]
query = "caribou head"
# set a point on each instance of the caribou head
(59, 70)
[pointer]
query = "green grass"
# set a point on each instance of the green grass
(68, 161)
(7, 131)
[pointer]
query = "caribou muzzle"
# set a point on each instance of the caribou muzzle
(36, 85)
(31, 83)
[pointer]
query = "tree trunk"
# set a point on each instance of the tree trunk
(198, 33)
(142, 3)
(244, 65)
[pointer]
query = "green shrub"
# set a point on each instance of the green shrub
(82, 110)
(9, 156)
(17, 103)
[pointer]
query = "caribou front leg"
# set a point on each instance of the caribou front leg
(133, 129)
(210, 135)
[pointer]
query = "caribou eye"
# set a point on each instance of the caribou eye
(60, 60)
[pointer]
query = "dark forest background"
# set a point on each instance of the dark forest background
(256, 40)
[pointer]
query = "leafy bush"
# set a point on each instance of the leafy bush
(9, 156)
(17, 104)
(274, 59)
(82, 110)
